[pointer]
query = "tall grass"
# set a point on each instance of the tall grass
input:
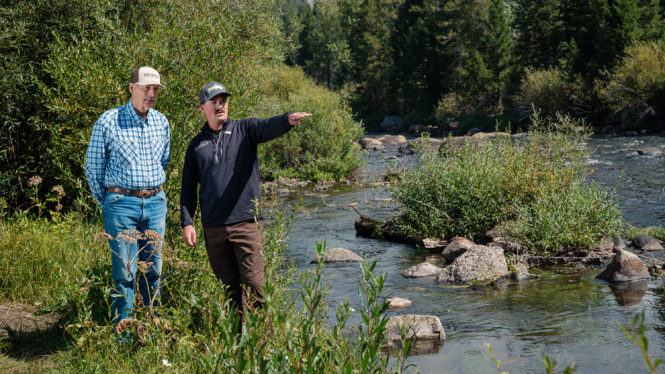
(534, 187)
(198, 330)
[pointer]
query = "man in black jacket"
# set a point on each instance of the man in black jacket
(222, 160)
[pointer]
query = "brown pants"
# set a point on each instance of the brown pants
(235, 253)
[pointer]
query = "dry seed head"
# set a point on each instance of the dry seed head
(35, 180)
(102, 236)
(144, 266)
(59, 190)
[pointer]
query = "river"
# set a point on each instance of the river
(562, 312)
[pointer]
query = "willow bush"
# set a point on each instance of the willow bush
(533, 187)
(634, 89)
(84, 69)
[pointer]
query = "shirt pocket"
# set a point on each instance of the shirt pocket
(157, 146)
(125, 154)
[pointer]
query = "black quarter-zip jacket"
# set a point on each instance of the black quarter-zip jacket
(224, 165)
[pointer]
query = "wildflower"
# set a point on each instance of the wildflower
(35, 180)
(59, 190)
(166, 363)
(58, 207)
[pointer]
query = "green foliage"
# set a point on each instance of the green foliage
(635, 87)
(550, 91)
(323, 147)
(40, 259)
(533, 187)
(57, 90)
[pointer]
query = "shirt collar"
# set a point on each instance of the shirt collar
(134, 115)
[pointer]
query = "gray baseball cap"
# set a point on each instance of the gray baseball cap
(211, 90)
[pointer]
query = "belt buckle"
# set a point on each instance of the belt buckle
(145, 193)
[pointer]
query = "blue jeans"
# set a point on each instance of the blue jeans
(122, 214)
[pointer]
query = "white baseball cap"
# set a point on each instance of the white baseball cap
(145, 76)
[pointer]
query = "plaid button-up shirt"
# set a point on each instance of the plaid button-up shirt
(127, 151)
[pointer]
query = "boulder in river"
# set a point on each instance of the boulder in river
(619, 244)
(647, 243)
(392, 140)
(334, 255)
(423, 269)
(479, 263)
(625, 267)
(456, 248)
(652, 246)
(427, 332)
(649, 151)
(371, 143)
(398, 303)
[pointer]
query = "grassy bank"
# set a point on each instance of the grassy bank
(533, 187)
(63, 266)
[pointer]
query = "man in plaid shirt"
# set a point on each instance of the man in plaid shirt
(125, 162)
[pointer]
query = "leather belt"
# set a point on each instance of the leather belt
(139, 193)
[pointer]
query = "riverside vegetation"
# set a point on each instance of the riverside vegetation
(534, 188)
(198, 331)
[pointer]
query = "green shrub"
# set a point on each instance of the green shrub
(323, 147)
(534, 187)
(550, 91)
(635, 88)
(82, 69)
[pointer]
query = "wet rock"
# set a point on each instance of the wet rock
(282, 191)
(478, 264)
(649, 151)
(519, 272)
(334, 255)
(291, 182)
(605, 245)
(625, 267)
(371, 143)
(619, 244)
(434, 244)
(398, 303)
(392, 140)
(423, 269)
(392, 123)
(368, 227)
(641, 240)
(456, 248)
(427, 332)
(320, 188)
(629, 293)
(632, 154)
(391, 158)
(652, 246)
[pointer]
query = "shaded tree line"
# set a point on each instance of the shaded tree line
(441, 61)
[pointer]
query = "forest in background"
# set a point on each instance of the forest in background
(475, 63)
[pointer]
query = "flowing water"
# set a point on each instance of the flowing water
(563, 312)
